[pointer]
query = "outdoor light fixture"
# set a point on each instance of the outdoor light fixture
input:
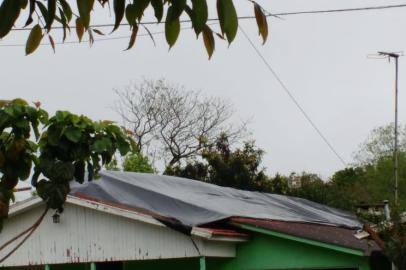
(56, 218)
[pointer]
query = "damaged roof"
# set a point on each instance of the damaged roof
(327, 234)
(193, 203)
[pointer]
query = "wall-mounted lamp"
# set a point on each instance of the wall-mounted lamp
(56, 217)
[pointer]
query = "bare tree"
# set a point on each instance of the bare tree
(177, 122)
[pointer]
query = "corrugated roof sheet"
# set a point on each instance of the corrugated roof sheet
(327, 234)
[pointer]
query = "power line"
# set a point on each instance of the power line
(281, 14)
(292, 97)
(339, 10)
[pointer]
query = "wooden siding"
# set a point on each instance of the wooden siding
(88, 235)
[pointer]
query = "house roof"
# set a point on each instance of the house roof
(206, 208)
(326, 234)
(193, 203)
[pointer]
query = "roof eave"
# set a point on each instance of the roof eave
(352, 251)
(209, 235)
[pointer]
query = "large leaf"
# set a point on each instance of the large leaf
(131, 14)
(208, 39)
(43, 9)
(158, 9)
(80, 29)
(172, 28)
(228, 18)
(178, 6)
(66, 10)
(32, 9)
(261, 22)
(34, 39)
(133, 37)
(51, 14)
(200, 15)
(85, 7)
(9, 12)
(119, 8)
(140, 6)
(79, 171)
(73, 134)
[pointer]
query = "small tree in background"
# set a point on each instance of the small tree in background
(380, 144)
(136, 162)
(174, 123)
(238, 168)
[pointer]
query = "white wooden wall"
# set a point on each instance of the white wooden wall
(88, 235)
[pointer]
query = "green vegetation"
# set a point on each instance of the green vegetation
(67, 146)
(172, 12)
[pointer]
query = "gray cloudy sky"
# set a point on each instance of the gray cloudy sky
(321, 58)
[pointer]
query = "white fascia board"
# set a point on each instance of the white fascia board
(113, 210)
(207, 234)
(25, 205)
(30, 203)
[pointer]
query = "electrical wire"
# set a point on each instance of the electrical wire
(292, 97)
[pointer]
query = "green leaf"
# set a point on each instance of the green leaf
(35, 176)
(131, 14)
(158, 9)
(9, 12)
(172, 28)
(51, 14)
(79, 171)
(85, 7)
(54, 135)
(133, 37)
(228, 18)
(42, 9)
(24, 168)
(178, 6)
(261, 22)
(101, 145)
(32, 9)
(200, 15)
(80, 29)
(34, 39)
(119, 7)
(90, 171)
(141, 5)
(23, 3)
(73, 134)
(66, 10)
(208, 40)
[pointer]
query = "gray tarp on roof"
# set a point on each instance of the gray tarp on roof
(194, 203)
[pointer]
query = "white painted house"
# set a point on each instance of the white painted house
(90, 232)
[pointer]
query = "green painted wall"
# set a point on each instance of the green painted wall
(268, 252)
(77, 266)
(172, 264)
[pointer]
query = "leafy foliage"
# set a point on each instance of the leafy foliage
(68, 146)
(395, 239)
(239, 168)
(50, 12)
(380, 144)
(17, 151)
(136, 162)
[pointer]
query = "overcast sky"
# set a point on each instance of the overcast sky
(321, 58)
